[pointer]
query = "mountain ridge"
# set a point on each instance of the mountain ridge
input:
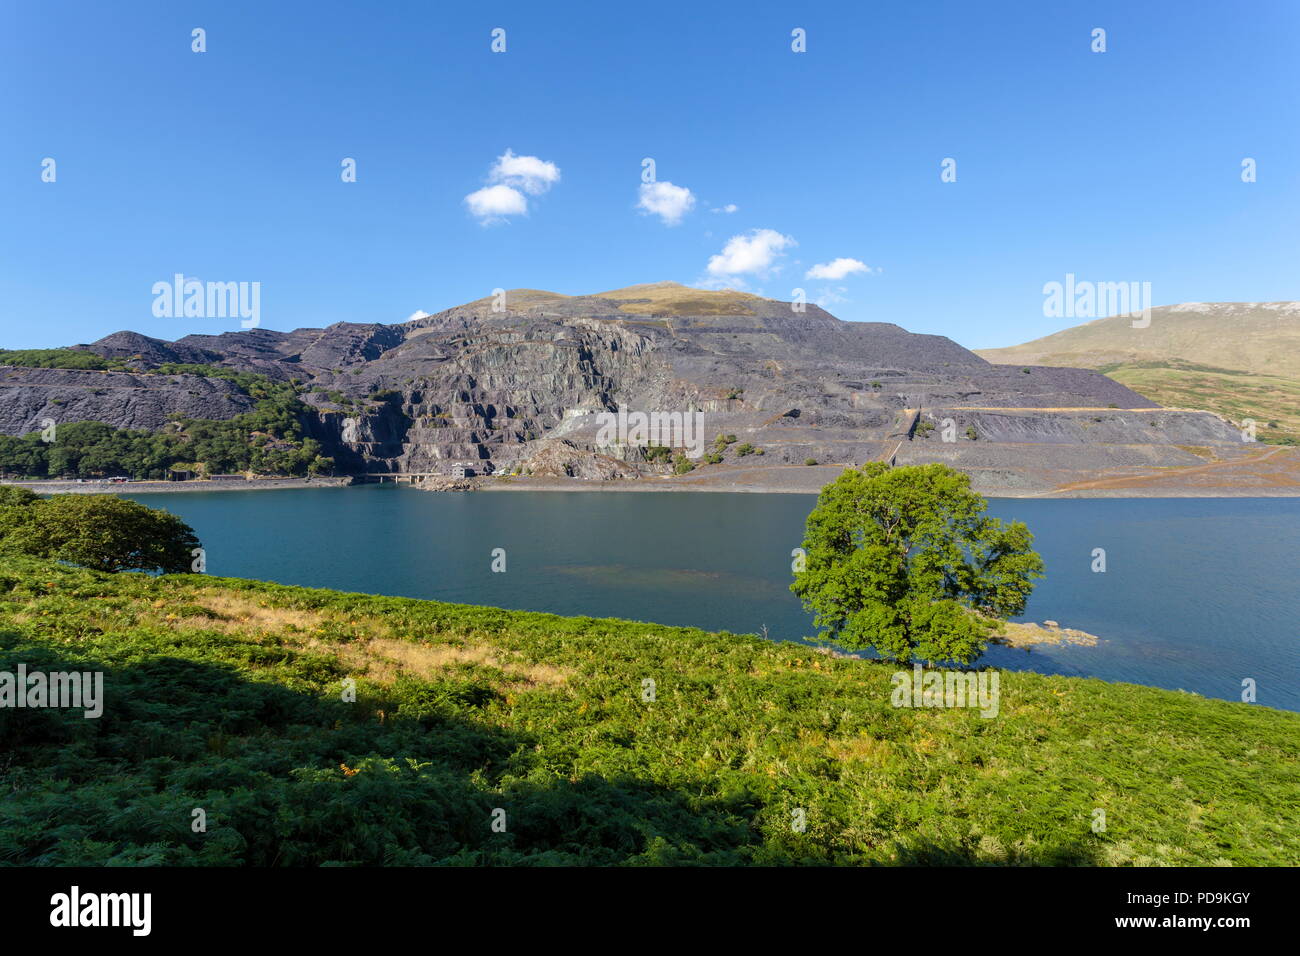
(497, 382)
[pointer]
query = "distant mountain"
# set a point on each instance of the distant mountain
(519, 384)
(1237, 359)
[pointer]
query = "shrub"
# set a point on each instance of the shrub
(59, 358)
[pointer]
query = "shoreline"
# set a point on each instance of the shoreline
(89, 487)
(579, 485)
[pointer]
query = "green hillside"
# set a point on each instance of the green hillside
(1272, 402)
(225, 695)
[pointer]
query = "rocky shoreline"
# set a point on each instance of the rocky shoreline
(762, 480)
(91, 487)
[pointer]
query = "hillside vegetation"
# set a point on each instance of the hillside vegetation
(59, 358)
(1238, 359)
(226, 695)
(1272, 402)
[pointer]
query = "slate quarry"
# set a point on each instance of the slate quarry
(522, 389)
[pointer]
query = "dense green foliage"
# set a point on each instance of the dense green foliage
(103, 532)
(259, 441)
(897, 559)
(59, 358)
(14, 496)
(267, 440)
(226, 695)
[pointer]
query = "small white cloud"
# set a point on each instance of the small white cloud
(836, 269)
(418, 314)
(509, 178)
(715, 283)
(729, 208)
(493, 203)
(670, 203)
(534, 176)
(755, 253)
(831, 296)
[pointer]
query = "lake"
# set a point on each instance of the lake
(1198, 593)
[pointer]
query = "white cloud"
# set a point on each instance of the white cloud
(729, 208)
(670, 203)
(418, 314)
(509, 178)
(831, 296)
(713, 282)
(534, 176)
(492, 203)
(755, 254)
(836, 269)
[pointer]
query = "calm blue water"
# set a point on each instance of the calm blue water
(1198, 593)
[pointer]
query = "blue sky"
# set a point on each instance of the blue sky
(225, 165)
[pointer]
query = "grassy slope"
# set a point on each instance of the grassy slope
(660, 298)
(224, 694)
(1268, 399)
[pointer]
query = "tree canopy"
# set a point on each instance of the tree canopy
(102, 532)
(905, 561)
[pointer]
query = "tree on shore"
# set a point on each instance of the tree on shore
(102, 532)
(905, 561)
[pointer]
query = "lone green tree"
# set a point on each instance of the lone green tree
(103, 532)
(905, 561)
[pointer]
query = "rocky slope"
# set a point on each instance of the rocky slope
(29, 396)
(520, 389)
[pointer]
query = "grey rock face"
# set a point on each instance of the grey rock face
(120, 399)
(130, 345)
